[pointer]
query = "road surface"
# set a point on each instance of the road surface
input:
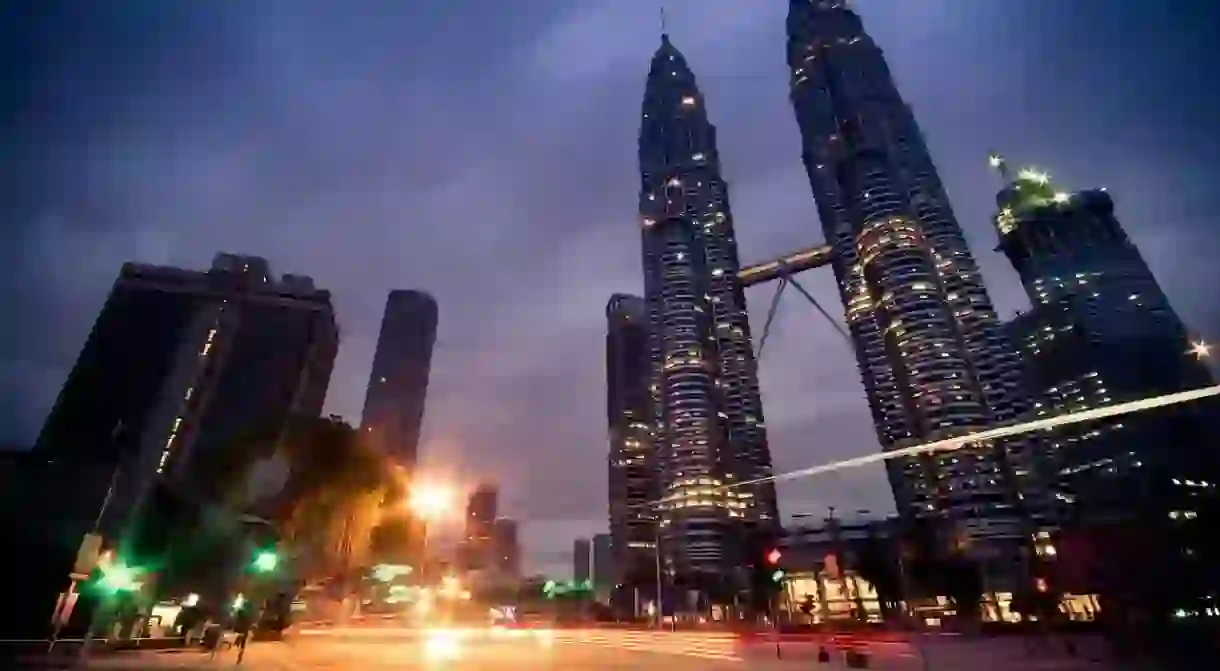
(404, 649)
(452, 651)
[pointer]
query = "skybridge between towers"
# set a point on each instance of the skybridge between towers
(783, 269)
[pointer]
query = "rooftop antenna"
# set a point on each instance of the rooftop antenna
(663, 31)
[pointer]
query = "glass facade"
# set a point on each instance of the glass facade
(1102, 331)
(932, 355)
(707, 412)
(632, 461)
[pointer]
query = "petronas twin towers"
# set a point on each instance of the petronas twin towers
(928, 343)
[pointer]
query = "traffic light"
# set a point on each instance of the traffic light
(773, 557)
(118, 578)
(265, 561)
(778, 576)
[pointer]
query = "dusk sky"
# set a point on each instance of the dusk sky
(484, 151)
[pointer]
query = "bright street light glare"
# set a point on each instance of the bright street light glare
(443, 644)
(431, 501)
(118, 578)
(266, 561)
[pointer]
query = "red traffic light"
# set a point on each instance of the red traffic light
(773, 557)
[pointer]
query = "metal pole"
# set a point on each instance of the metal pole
(924, 663)
(779, 292)
(97, 525)
(809, 297)
(656, 551)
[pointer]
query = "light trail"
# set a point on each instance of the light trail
(960, 442)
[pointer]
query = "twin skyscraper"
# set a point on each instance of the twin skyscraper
(690, 462)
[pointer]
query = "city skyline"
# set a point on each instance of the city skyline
(167, 199)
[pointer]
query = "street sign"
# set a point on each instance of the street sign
(87, 554)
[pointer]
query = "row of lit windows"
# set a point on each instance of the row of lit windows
(177, 425)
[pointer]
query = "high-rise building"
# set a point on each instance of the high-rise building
(507, 560)
(933, 357)
(604, 569)
(183, 364)
(480, 526)
(481, 511)
(1102, 331)
(394, 403)
(582, 560)
(709, 427)
(632, 462)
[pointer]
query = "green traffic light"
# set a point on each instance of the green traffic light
(266, 561)
(778, 576)
(118, 578)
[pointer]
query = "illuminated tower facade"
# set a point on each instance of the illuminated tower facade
(707, 411)
(932, 355)
(1102, 331)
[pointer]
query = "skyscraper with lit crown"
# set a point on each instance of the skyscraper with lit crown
(707, 411)
(1101, 332)
(932, 355)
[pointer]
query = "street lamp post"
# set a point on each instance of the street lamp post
(656, 551)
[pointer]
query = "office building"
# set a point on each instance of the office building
(933, 357)
(1138, 494)
(183, 364)
(708, 422)
(632, 462)
(582, 558)
(481, 511)
(507, 561)
(394, 403)
(604, 569)
(477, 547)
(1102, 331)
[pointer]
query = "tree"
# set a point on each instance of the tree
(877, 563)
(963, 582)
(328, 504)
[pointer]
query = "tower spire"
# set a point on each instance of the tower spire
(664, 32)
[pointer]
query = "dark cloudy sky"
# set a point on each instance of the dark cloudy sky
(484, 150)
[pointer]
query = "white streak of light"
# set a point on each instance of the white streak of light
(960, 442)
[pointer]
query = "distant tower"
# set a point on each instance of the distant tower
(481, 511)
(933, 357)
(505, 546)
(632, 461)
(582, 556)
(604, 568)
(1102, 331)
(398, 386)
(709, 426)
